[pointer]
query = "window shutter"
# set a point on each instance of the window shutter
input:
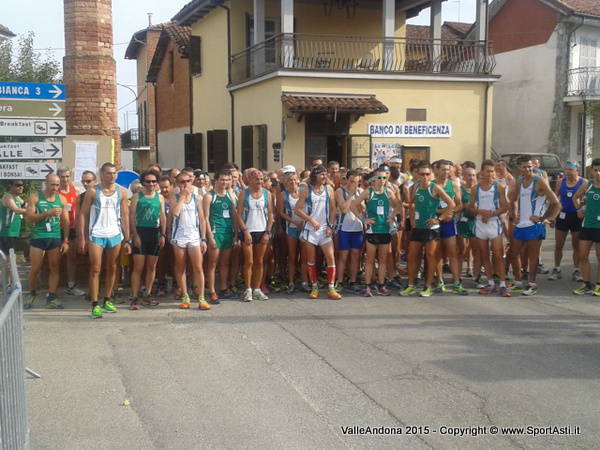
(196, 55)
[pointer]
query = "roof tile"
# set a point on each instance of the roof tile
(329, 103)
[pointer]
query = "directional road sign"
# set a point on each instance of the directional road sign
(26, 126)
(10, 151)
(32, 91)
(32, 108)
(25, 170)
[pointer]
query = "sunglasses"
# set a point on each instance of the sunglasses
(150, 181)
(381, 178)
(184, 181)
(424, 174)
(18, 185)
(53, 184)
(87, 181)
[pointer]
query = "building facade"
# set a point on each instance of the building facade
(335, 80)
(547, 100)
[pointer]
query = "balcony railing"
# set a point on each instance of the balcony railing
(331, 53)
(134, 138)
(584, 82)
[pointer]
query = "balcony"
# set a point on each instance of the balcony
(362, 55)
(584, 82)
(134, 139)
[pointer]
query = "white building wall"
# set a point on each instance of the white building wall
(524, 98)
(171, 148)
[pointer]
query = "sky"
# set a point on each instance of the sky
(45, 19)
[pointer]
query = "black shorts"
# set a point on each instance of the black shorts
(378, 238)
(570, 223)
(257, 236)
(424, 235)
(46, 244)
(8, 242)
(590, 234)
(150, 241)
(407, 225)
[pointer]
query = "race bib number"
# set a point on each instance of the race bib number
(417, 215)
(562, 215)
(69, 207)
(464, 219)
(226, 214)
(443, 204)
(380, 211)
(48, 227)
(569, 194)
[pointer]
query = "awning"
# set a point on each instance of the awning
(332, 103)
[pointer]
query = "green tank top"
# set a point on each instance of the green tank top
(449, 189)
(221, 213)
(592, 208)
(378, 208)
(147, 212)
(10, 223)
(426, 206)
(50, 226)
(466, 199)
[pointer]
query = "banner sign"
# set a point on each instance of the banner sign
(409, 130)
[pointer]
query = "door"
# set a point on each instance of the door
(323, 137)
(217, 149)
(247, 146)
(359, 151)
(413, 152)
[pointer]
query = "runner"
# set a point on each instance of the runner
(529, 201)
(164, 266)
(316, 206)
(255, 220)
(424, 200)
(567, 220)
(12, 209)
(104, 226)
(590, 233)
(148, 228)
(465, 227)
(488, 203)
(188, 238)
(505, 177)
(350, 234)
(48, 213)
(381, 206)
(220, 209)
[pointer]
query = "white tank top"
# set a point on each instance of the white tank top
(256, 220)
(486, 200)
(319, 210)
(292, 202)
(530, 204)
(105, 223)
(185, 227)
(351, 223)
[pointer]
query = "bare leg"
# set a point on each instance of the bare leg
(354, 262)
(213, 258)
(150, 272)
(248, 260)
(112, 258)
(36, 256)
(195, 257)
(53, 270)
(95, 251)
(431, 253)
(584, 261)
(292, 245)
(383, 255)
(341, 264)
(224, 259)
(575, 245)
(370, 263)
(136, 275)
(179, 270)
(258, 254)
(560, 237)
(414, 260)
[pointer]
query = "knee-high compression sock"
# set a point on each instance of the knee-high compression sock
(312, 273)
(331, 276)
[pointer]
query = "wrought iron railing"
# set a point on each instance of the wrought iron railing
(584, 82)
(332, 53)
(135, 138)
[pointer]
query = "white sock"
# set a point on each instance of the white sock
(518, 284)
(491, 282)
(503, 284)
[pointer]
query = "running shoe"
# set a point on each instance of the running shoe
(265, 288)
(203, 304)
(374, 289)
(109, 307)
(227, 293)
(479, 283)
(185, 302)
(584, 289)
(439, 287)
(290, 289)
(333, 294)
(504, 292)
(354, 288)
(96, 312)
(531, 289)
(305, 287)
(596, 290)
(577, 275)
(247, 297)
(393, 284)
(367, 292)
(314, 292)
(383, 290)
(488, 290)
(516, 289)
(457, 289)
(409, 290)
(542, 270)
(28, 301)
(556, 274)
(258, 294)
(338, 286)
(74, 291)
(469, 274)
(53, 303)
(214, 299)
(427, 292)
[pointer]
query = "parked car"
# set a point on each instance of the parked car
(549, 162)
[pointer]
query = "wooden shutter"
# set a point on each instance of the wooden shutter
(247, 144)
(193, 150)
(217, 149)
(196, 55)
(262, 147)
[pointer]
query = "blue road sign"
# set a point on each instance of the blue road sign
(39, 91)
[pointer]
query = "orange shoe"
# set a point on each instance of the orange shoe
(314, 292)
(203, 304)
(185, 302)
(333, 295)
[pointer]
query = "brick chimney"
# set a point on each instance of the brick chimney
(90, 71)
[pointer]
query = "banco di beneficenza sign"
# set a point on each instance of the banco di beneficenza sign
(409, 130)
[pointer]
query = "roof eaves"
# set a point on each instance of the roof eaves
(194, 11)
(4, 31)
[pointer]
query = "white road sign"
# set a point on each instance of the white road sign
(26, 126)
(10, 151)
(25, 170)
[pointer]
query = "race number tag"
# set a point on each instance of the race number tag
(69, 207)
(598, 218)
(380, 211)
(464, 219)
(562, 215)
(569, 194)
(48, 227)
(226, 213)
(417, 215)
(443, 204)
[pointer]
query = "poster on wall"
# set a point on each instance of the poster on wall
(85, 157)
(384, 151)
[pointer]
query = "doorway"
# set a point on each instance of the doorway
(326, 138)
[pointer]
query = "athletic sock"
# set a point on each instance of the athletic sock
(491, 283)
(106, 299)
(312, 274)
(588, 284)
(94, 304)
(503, 284)
(518, 284)
(331, 276)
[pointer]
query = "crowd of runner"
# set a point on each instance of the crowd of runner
(249, 234)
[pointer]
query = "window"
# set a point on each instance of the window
(254, 146)
(588, 49)
(193, 150)
(416, 115)
(216, 149)
(196, 55)
(271, 29)
(171, 67)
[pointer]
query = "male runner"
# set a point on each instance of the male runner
(12, 208)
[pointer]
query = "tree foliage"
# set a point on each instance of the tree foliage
(24, 63)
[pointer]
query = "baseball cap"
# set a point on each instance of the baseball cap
(288, 169)
(395, 159)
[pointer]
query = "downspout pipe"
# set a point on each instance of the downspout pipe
(231, 96)
(570, 46)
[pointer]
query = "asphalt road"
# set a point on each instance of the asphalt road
(293, 373)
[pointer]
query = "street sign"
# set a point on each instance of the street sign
(25, 170)
(26, 126)
(32, 108)
(30, 150)
(29, 91)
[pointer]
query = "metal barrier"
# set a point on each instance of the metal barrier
(14, 431)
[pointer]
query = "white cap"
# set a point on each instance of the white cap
(288, 169)
(395, 159)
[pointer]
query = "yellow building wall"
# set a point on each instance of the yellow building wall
(211, 101)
